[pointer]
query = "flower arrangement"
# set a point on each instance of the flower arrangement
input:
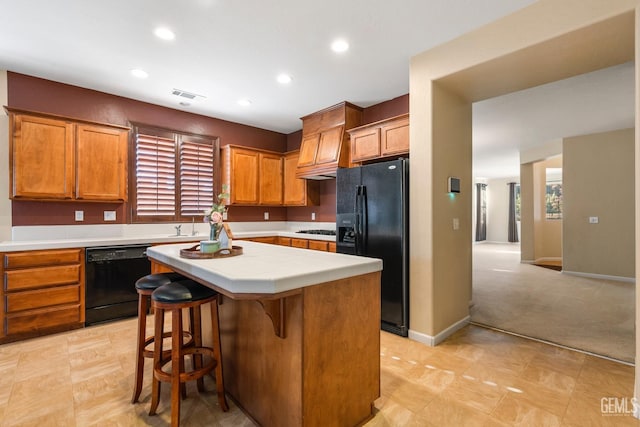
(213, 215)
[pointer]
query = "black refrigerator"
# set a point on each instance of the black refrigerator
(372, 219)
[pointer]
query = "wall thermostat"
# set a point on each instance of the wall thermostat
(453, 184)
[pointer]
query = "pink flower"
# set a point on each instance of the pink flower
(216, 218)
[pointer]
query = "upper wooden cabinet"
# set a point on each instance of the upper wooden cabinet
(297, 191)
(385, 138)
(325, 145)
(254, 177)
(265, 178)
(271, 179)
(54, 158)
(101, 163)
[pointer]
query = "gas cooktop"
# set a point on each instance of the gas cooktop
(325, 232)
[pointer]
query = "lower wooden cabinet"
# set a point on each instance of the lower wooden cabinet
(284, 241)
(300, 243)
(318, 245)
(42, 292)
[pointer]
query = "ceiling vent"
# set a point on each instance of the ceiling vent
(185, 94)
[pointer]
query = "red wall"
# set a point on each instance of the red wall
(35, 94)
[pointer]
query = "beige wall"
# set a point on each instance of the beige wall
(527, 248)
(452, 133)
(598, 180)
(547, 234)
(514, 53)
(5, 203)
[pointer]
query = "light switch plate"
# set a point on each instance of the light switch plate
(456, 223)
(109, 215)
(79, 215)
(313, 216)
(266, 216)
(593, 220)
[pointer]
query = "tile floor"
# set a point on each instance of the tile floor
(478, 377)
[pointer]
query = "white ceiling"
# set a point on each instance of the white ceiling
(228, 50)
(590, 103)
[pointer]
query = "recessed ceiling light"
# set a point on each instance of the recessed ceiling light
(141, 74)
(340, 46)
(164, 33)
(284, 78)
(244, 102)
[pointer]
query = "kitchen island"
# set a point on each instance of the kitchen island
(300, 331)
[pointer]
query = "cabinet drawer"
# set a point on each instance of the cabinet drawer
(42, 258)
(271, 240)
(318, 245)
(41, 277)
(300, 243)
(284, 241)
(32, 321)
(27, 300)
(332, 247)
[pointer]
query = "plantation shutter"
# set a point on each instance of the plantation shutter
(155, 176)
(196, 177)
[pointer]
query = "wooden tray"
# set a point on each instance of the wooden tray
(194, 252)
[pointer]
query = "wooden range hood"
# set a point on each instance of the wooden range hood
(325, 142)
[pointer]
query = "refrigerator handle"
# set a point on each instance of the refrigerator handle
(357, 211)
(363, 219)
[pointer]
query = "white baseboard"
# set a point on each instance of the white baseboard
(433, 341)
(601, 276)
(526, 261)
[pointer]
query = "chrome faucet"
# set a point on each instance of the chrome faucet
(177, 227)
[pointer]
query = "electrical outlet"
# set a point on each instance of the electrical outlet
(79, 215)
(456, 223)
(266, 216)
(224, 216)
(109, 215)
(593, 220)
(313, 216)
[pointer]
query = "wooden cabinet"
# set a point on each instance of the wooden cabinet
(101, 154)
(297, 191)
(54, 158)
(318, 245)
(41, 157)
(284, 241)
(42, 292)
(254, 177)
(380, 139)
(300, 243)
(272, 240)
(271, 179)
(325, 145)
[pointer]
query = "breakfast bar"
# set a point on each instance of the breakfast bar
(300, 330)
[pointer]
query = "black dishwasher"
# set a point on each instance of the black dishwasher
(110, 277)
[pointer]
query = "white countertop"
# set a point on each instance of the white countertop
(140, 238)
(267, 269)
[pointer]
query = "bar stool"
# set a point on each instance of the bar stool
(145, 287)
(174, 297)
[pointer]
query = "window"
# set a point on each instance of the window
(518, 202)
(553, 193)
(174, 174)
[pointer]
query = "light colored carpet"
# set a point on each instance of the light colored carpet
(587, 314)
